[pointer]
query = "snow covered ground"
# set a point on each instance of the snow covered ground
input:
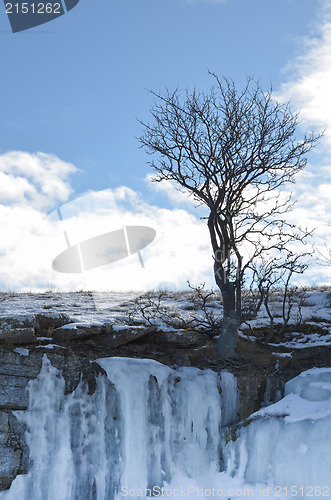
(119, 308)
(314, 312)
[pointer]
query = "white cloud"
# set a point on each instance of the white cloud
(309, 80)
(29, 185)
(177, 197)
(308, 88)
(311, 210)
(181, 250)
(36, 180)
(30, 240)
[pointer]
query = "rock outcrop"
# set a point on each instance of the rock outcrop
(72, 347)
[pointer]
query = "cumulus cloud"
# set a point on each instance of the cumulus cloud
(31, 240)
(176, 197)
(181, 251)
(309, 80)
(30, 184)
(35, 180)
(307, 86)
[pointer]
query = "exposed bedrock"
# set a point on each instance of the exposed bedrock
(261, 373)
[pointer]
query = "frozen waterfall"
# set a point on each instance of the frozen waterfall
(145, 426)
(150, 430)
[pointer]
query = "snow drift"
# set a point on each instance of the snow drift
(287, 444)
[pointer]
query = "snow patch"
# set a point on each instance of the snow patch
(21, 351)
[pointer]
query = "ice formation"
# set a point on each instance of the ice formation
(148, 427)
(287, 444)
(145, 426)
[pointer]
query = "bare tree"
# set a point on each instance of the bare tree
(153, 309)
(232, 150)
(275, 272)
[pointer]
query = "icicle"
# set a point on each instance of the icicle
(145, 426)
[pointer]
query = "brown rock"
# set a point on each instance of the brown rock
(75, 332)
(18, 329)
(125, 336)
(48, 322)
(18, 336)
(181, 339)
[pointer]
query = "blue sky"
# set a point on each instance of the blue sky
(73, 87)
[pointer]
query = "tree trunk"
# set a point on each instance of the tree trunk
(226, 344)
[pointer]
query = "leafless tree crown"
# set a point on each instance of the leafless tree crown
(232, 150)
(227, 148)
(217, 144)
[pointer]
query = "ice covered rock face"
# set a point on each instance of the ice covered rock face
(145, 425)
(288, 444)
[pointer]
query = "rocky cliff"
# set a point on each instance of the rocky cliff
(261, 372)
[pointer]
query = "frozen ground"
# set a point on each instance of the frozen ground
(120, 309)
